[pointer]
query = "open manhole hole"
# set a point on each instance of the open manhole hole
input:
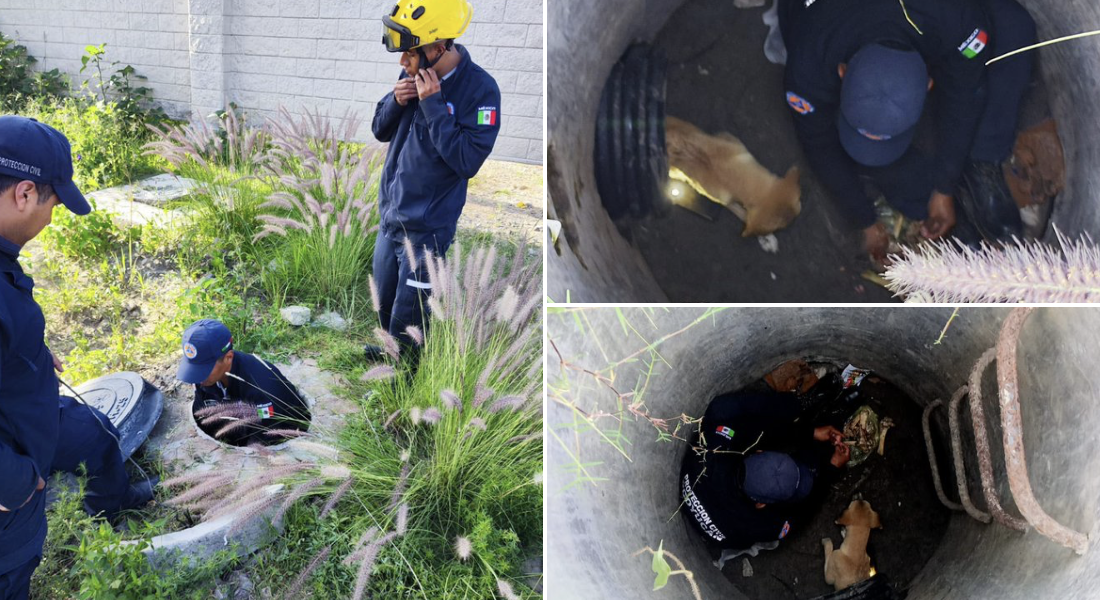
(704, 62)
(875, 415)
(259, 406)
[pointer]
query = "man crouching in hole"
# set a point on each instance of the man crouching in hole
(240, 399)
(756, 472)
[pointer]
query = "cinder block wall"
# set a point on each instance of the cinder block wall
(321, 55)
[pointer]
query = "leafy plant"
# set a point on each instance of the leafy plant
(91, 236)
(19, 81)
(134, 102)
(107, 148)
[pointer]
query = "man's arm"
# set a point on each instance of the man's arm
(387, 115)
(464, 147)
(815, 124)
(960, 100)
(18, 472)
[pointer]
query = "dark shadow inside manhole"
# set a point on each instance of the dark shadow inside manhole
(897, 484)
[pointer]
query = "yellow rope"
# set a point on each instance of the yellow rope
(1041, 44)
(908, 18)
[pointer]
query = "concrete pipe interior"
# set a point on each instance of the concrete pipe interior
(718, 78)
(599, 526)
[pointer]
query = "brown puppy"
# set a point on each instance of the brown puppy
(722, 169)
(849, 564)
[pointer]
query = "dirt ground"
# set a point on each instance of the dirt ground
(506, 200)
(899, 487)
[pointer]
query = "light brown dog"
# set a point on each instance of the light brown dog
(722, 169)
(849, 564)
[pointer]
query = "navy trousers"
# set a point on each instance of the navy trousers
(16, 584)
(403, 291)
(82, 440)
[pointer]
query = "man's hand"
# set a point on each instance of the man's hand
(841, 454)
(57, 363)
(941, 216)
(427, 83)
(876, 241)
(404, 91)
(828, 433)
(39, 488)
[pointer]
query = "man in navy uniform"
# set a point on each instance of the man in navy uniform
(756, 471)
(858, 75)
(239, 389)
(40, 431)
(441, 120)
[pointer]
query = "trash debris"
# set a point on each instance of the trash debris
(746, 568)
(774, 276)
(702, 71)
(748, 3)
(792, 376)
(853, 375)
(1037, 171)
(769, 243)
(865, 432)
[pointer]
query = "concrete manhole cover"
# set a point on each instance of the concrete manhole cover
(132, 405)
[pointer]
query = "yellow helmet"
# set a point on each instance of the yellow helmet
(416, 23)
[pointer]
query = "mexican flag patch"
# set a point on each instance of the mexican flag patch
(266, 411)
(975, 44)
(487, 116)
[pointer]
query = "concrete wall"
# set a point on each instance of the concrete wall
(591, 255)
(324, 55)
(598, 526)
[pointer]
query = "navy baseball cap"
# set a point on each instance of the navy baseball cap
(774, 477)
(881, 101)
(37, 152)
(204, 343)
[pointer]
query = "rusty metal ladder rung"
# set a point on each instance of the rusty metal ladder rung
(1015, 458)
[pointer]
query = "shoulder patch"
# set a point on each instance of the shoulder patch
(487, 115)
(786, 529)
(974, 44)
(725, 432)
(799, 104)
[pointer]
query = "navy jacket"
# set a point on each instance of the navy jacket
(278, 403)
(29, 413)
(826, 33)
(436, 146)
(711, 482)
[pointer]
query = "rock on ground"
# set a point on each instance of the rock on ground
(331, 320)
(296, 315)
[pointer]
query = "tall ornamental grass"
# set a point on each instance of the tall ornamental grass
(324, 211)
(224, 161)
(436, 485)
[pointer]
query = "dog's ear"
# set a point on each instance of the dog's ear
(845, 519)
(792, 175)
(876, 523)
